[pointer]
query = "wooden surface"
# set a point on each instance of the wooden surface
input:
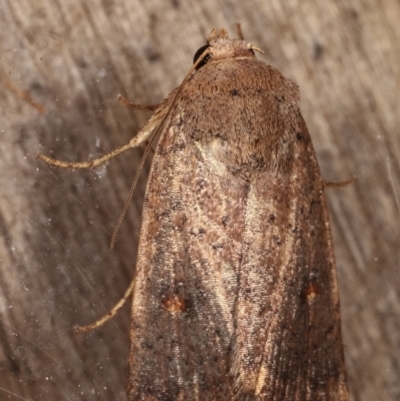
(62, 66)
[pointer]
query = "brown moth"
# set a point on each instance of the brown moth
(235, 294)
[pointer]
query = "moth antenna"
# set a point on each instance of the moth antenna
(135, 106)
(131, 191)
(239, 31)
(109, 314)
(133, 143)
(338, 184)
(146, 143)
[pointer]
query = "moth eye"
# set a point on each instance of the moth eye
(252, 52)
(199, 53)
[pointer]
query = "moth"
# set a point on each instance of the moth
(235, 294)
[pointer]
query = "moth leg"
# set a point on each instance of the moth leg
(111, 313)
(139, 139)
(135, 106)
(338, 184)
(87, 164)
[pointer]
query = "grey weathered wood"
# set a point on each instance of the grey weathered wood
(62, 65)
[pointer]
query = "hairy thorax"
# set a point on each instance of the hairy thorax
(255, 135)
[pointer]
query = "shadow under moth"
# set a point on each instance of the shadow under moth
(235, 294)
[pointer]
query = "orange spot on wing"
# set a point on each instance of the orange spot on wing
(311, 291)
(174, 304)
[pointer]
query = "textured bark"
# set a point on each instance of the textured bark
(62, 66)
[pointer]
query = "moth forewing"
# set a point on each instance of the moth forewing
(235, 228)
(235, 294)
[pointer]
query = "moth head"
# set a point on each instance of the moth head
(219, 46)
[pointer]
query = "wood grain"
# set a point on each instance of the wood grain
(62, 66)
